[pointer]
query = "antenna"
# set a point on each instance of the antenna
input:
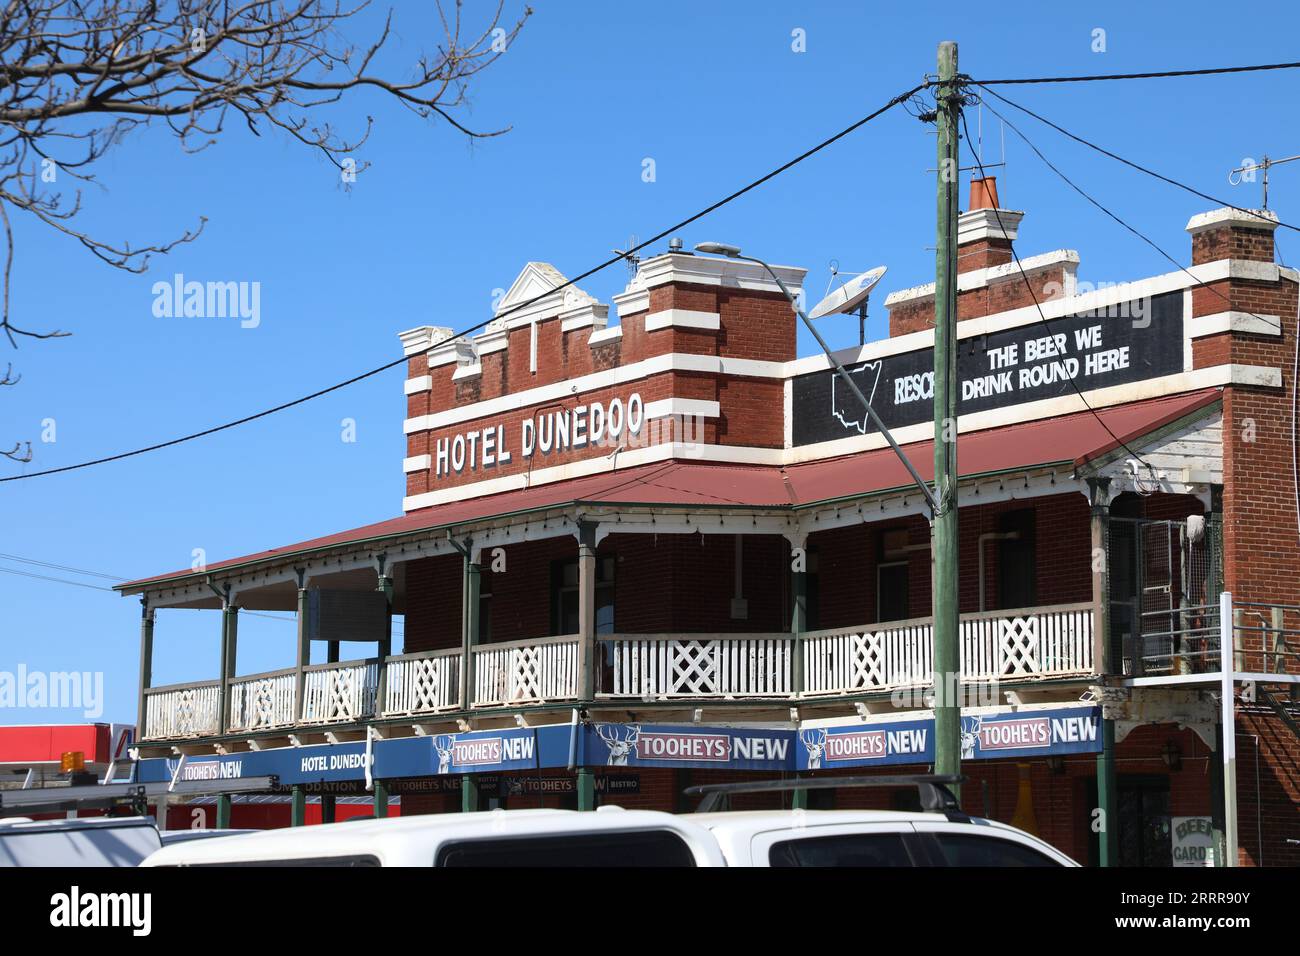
(1246, 168)
(631, 258)
(851, 296)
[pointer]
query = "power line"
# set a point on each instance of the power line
(1163, 74)
(45, 577)
(62, 567)
(1128, 162)
(99, 587)
(621, 257)
(1043, 318)
(1147, 239)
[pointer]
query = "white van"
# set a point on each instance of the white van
(608, 837)
(93, 841)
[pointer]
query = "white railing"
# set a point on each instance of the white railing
(684, 665)
(1018, 644)
(262, 701)
(533, 670)
(335, 693)
(422, 683)
(183, 710)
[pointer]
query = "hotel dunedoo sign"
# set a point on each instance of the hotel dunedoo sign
(1127, 343)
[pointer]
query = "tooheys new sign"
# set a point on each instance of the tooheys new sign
(983, 737)
(1126, 343)
(646, 745)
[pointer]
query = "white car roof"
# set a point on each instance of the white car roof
(414, 840)
(735, 829)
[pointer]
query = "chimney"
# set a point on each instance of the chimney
(1229, 233)
(986, 230)
(987, 281)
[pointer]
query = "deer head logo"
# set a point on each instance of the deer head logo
(970, 737)
(621, 745)
(814, 742)
(445, 745)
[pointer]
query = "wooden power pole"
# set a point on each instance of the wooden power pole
(947, 655)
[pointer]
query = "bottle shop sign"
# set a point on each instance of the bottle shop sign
(1126, 343)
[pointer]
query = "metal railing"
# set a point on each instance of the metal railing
(1189, 640)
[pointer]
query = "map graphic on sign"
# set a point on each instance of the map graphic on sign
(845, 405)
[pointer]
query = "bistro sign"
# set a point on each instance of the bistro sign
(1025, 364)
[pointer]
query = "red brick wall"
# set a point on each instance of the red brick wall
(753, 325)
(1268, 790)
(1000, 295)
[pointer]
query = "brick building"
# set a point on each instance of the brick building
(669, 550)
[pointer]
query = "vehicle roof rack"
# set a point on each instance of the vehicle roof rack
(932, 789)
(105, 795)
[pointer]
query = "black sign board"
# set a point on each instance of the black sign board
(1128, 342)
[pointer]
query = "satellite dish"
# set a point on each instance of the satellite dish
(849, 296)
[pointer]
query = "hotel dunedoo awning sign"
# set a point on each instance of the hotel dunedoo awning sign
(1126, 343)
(1059, 730)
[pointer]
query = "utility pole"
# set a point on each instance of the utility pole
(947, 659)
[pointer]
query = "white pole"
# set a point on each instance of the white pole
(1226, 662)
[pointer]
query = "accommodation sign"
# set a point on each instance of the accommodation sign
(1126, 343)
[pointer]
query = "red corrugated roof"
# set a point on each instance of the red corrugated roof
(1067, 439)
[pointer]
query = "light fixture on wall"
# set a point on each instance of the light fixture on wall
(1172, 755)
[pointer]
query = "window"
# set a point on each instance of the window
(1017, 560)
(564, 601)
(633, 848)
(855, 849)
(960, 849)
(893, 600)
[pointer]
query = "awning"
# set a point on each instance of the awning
(1067, 440)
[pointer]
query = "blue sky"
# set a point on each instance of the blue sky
(713, 93)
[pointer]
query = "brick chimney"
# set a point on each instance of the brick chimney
(1232, 234)
(988, 280)
(985, 231)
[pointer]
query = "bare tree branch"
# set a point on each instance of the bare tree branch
(77, 75)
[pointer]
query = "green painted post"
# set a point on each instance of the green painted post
(1218, 829)
(229, 651)
(381, 798)
(304, 645)
(1103, 653)
(586, 612)
(1107, 798)
(469, 600)
(328, 808)
(298, 816)
(799, 800)
(468, 793)
(947, 661)
(223, 811)
(386, 642)
(146, 664)
(798, 612)
(586, 789)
